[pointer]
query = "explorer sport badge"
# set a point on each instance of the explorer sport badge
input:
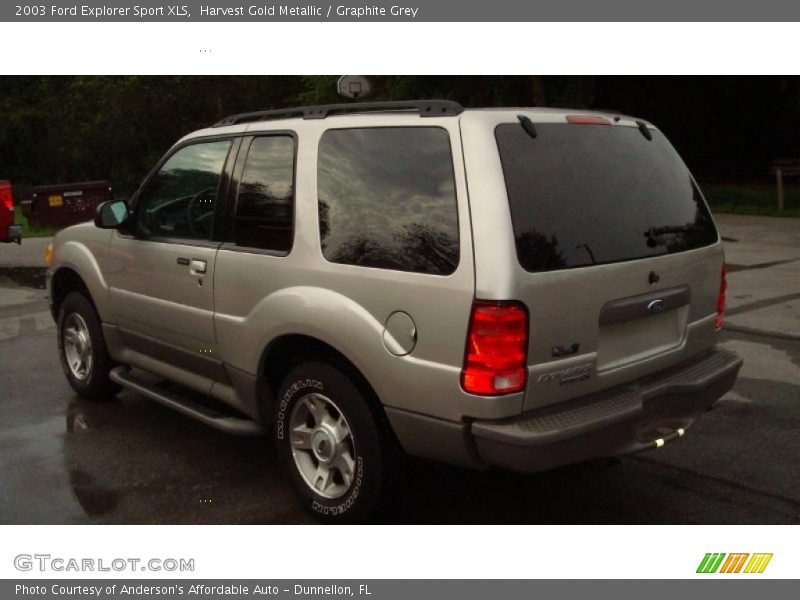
(568, 375)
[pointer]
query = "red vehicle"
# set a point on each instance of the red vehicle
(9, 232)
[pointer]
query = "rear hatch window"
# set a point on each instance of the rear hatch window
(583, 195)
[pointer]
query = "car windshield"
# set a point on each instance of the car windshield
(582, 195)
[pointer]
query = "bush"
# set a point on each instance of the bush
(753, 199)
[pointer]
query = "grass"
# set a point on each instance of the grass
(29, 231)
(753, 199)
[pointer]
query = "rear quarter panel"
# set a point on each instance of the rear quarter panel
(259, 297)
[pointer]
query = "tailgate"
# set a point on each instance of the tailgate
(610, 244)
(587, 334)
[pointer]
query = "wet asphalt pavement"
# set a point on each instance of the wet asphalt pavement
(128, 460)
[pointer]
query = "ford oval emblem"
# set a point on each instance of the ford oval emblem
(655, 307)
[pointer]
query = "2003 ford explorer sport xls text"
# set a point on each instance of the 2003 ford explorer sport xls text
(520, 288)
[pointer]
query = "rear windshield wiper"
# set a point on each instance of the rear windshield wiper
(654, 234)
(527, 125)
(645, 131)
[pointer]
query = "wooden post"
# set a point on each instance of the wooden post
(779, 180)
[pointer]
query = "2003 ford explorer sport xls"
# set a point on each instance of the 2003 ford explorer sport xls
(522, 288)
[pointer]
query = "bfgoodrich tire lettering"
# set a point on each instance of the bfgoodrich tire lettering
(329, 439)
(80, 340)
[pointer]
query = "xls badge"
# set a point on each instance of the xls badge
(734, 563)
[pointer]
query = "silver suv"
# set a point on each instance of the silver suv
(522, 288)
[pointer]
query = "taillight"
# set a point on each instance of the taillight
(723, 287)
(497, 341)
(6, 201)
(587, 120)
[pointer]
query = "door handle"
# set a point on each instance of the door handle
(198, 266)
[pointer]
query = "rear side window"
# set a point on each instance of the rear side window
(387, 199)
(589, 194)
(264, 212)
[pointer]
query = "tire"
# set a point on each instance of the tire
(319, 395)
(78, 323)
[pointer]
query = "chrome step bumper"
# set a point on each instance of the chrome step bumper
(641, 415)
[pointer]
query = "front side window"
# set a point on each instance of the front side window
(264, 212)
(387, 199)
(179, 201)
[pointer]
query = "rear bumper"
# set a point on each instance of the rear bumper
(643, 414)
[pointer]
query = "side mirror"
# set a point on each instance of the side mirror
(111, 214)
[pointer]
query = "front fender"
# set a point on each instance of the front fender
(81, 256)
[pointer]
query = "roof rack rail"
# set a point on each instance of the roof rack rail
(425, 108)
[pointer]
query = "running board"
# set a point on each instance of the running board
(233, 425)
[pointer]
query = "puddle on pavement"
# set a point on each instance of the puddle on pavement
(94, 499)
(30, 277)
(776, 356)
(733, 268)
